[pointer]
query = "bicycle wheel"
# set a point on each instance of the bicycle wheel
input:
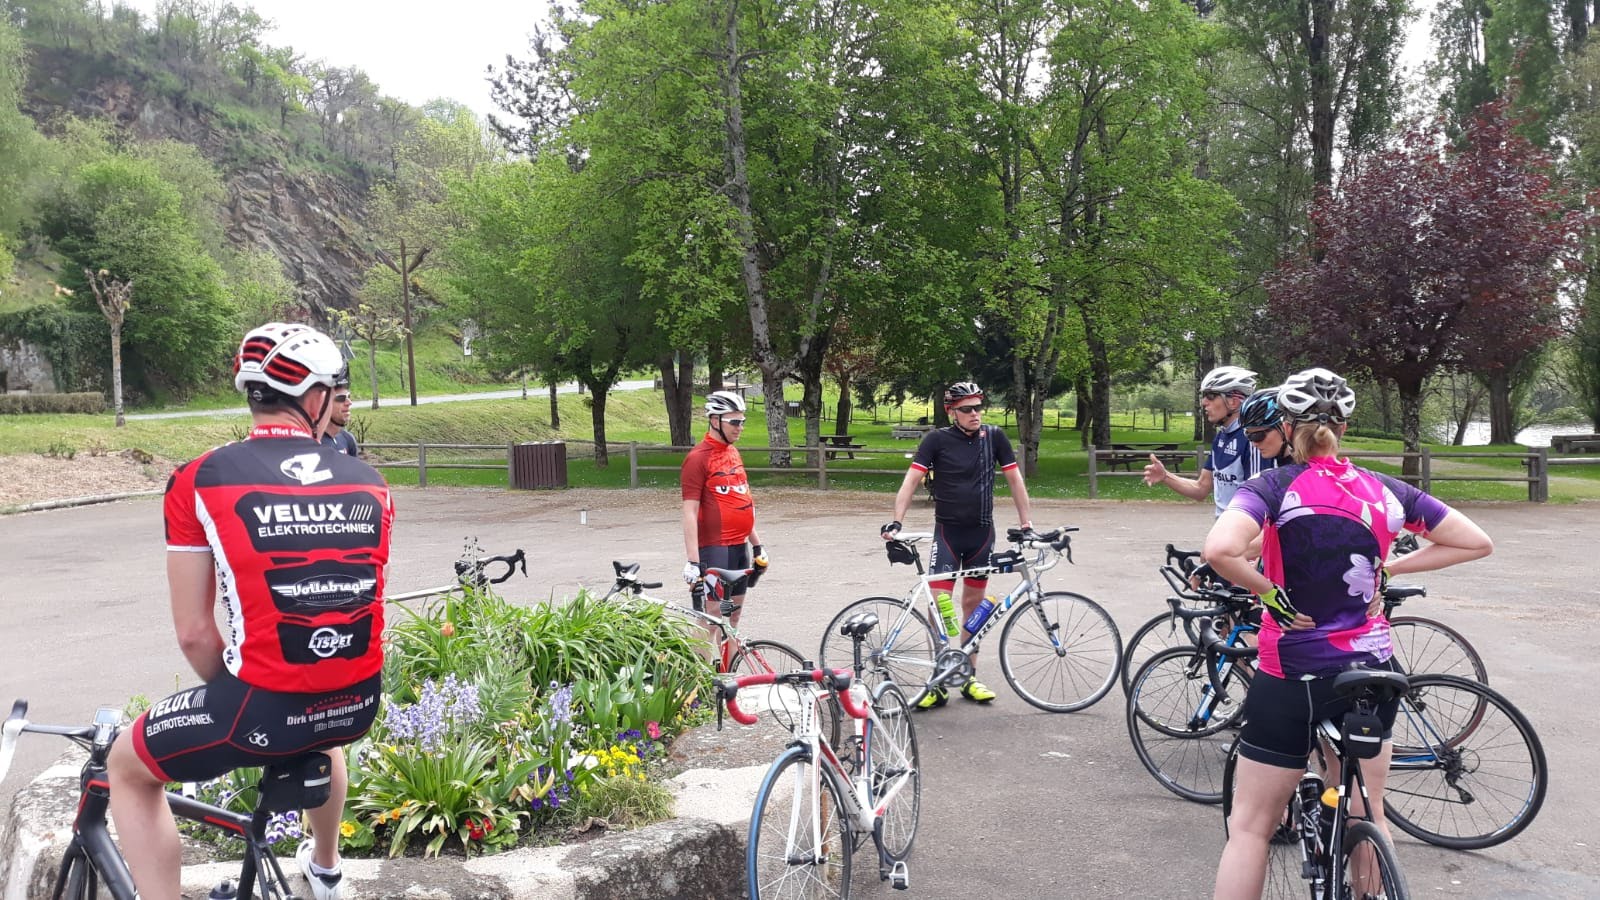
(1154, 636)
(1284, 880)
(77, 879)
(1468, 770)
(762, 657)
(799, 834)
(1371, 871)
(903, 644)
(892, 757)
(1178, 732)
(1426, 647)
(1060, 652)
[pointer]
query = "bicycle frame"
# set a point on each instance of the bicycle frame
(728, 642)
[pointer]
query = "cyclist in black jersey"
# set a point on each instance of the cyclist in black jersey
(964, 457)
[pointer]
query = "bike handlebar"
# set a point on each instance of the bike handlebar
(17, 722)
(836, 681)
(480, 566)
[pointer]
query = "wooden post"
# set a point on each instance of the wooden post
(1427, 468)
(422, 464)
(1094, 482)
(1539, 485)
(511, 470)
(822, 470)
(633, 464)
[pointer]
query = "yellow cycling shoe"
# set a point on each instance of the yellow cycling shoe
(934, 698)
(975, 691)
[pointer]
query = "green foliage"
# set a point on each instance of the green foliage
(75, 341)
(625, 802)
(83, 403)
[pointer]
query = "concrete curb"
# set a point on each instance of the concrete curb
(699, 854)
(79, 501)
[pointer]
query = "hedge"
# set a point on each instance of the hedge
(87, 402)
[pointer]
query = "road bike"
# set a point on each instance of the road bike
(472, 570)
(1059, 651)
(92, 866)
(816, 806)
(730, 653)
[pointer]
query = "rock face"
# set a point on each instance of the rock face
(312, 221)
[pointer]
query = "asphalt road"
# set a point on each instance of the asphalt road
(532, 393)
(1017, 803)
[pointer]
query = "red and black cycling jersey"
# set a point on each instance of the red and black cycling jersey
(963, 472)
(713, 473)
(300, 536)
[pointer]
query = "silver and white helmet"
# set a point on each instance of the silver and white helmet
(723, 402)
(1229, 380)
(1316, 395)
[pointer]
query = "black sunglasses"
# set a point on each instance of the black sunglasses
(1257, 437)
(1210, 395)
(969, 408)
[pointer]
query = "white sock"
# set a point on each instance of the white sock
(318, 870)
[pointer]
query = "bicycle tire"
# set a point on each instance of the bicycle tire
(1366, 847)
(763, 657)
(1160, 633)
(1429, 647)
(911, 646)
(1080, 672)
(77, 879)
(1176, 696)
(1284, 880)
(892, 748)
(783, 805)
(1189, 763)
(1468, 770)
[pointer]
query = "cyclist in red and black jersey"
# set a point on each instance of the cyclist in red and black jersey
(963, 458)
(293, 537)
(719, 515)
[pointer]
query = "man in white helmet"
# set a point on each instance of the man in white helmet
(1233, 457)
(292, 537)
(719, 515)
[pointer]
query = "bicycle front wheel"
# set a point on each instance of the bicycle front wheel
(902, 645)
(799, 835)
(894, 764)
(1160, 633)
(763, 657)
(1371, 869)
(1180, 732)
(1468, 770)
(77, 879)
(1060, 651)
(1425, 647)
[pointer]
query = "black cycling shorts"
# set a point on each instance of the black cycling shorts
(1279, 714)
(961, 547)
(726, 556)
(205, 732)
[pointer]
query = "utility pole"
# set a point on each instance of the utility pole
(404, 270)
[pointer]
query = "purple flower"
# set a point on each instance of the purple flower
(439, 710)
(561, 703)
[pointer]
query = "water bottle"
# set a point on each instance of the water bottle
(1330, 810)
(947, 614)
(223, 891)
(980, 615)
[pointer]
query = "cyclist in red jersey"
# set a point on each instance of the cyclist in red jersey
(293, 537)
(719, 515)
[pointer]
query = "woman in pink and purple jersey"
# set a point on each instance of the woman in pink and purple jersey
(1326, 527)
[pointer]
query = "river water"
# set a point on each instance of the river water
(1532, 436)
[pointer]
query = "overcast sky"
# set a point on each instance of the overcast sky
(416, 52)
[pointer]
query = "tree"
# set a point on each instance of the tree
(1430, 259)
(372, 323)
(113, 297)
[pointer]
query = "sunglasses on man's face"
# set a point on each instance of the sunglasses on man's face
(341, 398)
(1210, 395)
(969, 409)
(737, 423)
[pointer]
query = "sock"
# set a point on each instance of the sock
(318, 870)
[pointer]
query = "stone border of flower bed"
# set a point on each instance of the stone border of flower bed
(699, 853)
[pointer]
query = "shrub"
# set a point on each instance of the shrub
(86, 402)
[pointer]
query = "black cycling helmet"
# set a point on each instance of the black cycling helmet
(960, 391)
(1261, 410)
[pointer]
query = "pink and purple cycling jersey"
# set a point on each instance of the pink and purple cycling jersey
(1327, 527)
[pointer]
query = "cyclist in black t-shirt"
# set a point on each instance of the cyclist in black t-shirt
(964, 457)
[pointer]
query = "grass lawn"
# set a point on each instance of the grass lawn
(638, 416)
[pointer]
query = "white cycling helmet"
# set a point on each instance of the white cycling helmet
(288, 358)
(1229, 380)
(1316, 395)
(722, 402)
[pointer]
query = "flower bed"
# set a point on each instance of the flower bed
(504, 724)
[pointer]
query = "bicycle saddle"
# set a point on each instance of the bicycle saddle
(859, 624)
(1401, 591)
(1384, 683)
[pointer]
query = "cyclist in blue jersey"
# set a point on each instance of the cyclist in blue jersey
(963, 457)
(1233, 457)
(1325, 529)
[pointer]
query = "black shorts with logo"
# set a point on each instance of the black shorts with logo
(1279, 714)
(204, 732)
(958, 547)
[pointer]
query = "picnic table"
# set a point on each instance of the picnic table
(909, 432)
(1575, 443)
(1128, 454)
(841, 443)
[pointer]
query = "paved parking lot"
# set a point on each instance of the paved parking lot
(1017, 803)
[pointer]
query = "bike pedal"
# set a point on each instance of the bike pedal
(899, 876)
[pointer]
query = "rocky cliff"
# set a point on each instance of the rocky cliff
(311, 220)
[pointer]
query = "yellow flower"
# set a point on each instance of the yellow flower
(347, 828)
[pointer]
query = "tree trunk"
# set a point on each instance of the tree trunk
(555, 408)
(677, 387)
(1083, 415)
(1386, 406)
(1322, 90)
(1100, 384)
(1502, 411)
(116, 373)
(598, 391)
(372, 368)
(715, 356)
(1027, 403)
(1469, 408)
(841, 415)
(1411, 426)
(1205, 360)
(777, 417)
